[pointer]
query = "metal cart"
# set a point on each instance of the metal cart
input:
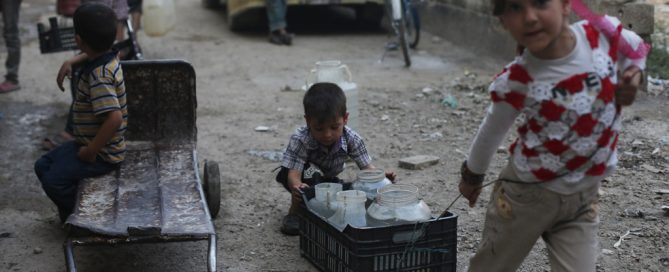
(157, 195)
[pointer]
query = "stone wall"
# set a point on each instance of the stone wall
(470, 24)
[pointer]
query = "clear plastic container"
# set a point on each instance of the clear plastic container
(397, 204)
(350, 210)
(324, 204)
(369, 181)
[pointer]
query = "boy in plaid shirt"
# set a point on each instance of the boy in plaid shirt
(317, 151)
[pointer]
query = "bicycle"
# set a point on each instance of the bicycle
(405, 25)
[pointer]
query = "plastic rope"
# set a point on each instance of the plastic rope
(610, 30)
(410, 246)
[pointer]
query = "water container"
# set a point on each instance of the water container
(334, 71)
(369, 181)
(398, 204)
(325, 202)
(350, 210)
(158, 17)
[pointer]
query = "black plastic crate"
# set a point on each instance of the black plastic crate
(429, 246)
(55, 38)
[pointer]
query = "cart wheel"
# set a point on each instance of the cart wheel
(212, 187)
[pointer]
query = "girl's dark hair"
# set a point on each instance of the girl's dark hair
(498, 7)
(96, 25)
(324, 101)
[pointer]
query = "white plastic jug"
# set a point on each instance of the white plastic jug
(158, 17)
(334, 71)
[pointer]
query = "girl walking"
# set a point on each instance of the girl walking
(567, 85)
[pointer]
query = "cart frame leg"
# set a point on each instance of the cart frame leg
(69, 256)
(212, 253)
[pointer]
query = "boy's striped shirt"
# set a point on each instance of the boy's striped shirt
(101, 89)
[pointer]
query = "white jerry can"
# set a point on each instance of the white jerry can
(335, 71)
(158, 17)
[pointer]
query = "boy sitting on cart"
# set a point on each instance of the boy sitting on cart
(100, 113)
(317, 151)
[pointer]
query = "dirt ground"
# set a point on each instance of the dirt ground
(244, 82)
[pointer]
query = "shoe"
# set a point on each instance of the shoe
(275, 38)
(9, 86)
(290, 225)
(286, 38)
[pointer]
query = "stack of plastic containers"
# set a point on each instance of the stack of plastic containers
(374, 201)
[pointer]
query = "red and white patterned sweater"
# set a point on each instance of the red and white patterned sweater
(570, 122)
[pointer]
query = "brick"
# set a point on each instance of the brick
(418, 162)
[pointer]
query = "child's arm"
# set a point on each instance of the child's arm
(66, 69)
(499, 119)
(295, 183)
(113, 121)
(632, 62)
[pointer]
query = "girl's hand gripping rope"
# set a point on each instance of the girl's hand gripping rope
(628, 86)
(470, 184)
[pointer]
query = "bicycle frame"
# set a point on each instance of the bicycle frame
(395, 15)
(396, 9)
(403, 21)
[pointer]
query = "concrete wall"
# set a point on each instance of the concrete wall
(470, 24)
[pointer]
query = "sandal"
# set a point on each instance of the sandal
(290, 225)
(8, 86)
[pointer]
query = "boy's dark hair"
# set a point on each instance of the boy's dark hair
(324, 101)
(96, 25)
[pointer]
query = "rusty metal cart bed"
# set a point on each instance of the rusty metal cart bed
(157, 194)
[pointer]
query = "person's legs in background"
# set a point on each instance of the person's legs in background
(66, 135)
(10, 17)
(276, 17)
(135, 10)
(120, 7)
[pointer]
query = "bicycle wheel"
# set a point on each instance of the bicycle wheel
(412, 21)
(404, 43)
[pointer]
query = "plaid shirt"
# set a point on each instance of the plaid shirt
(303, 148)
